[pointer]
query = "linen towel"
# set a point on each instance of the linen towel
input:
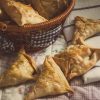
(92, 76)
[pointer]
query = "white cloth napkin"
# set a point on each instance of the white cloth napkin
(92, 76)
(94, 42)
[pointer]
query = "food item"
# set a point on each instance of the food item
(50, 82)
(76, 60)
(3, 15)
(20, 71)
(23, 14)
(48, 8)
(85, 28)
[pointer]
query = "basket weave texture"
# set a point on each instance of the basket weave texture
(32, 37)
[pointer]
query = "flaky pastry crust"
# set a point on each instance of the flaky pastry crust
(50, 82)
(76, 60)
(19, 72)
(85, 28)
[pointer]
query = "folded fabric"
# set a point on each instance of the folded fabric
(98, 63)
(93, 75)
(93, 42)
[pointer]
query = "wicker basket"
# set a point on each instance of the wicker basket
(32, 37)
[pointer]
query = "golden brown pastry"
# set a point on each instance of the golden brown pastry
(50, 82)
(85, 28)
(76, 60)
(20, 13)
(48, 8)
(19, 72)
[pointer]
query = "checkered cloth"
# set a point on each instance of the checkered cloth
(36, 39)
(87, 8)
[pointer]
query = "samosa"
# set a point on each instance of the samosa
(19, 72)
(21, 13)
(76, 60)
(49, 8)
(50, 82)
(85, 28)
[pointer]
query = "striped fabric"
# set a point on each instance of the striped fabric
(86, 8)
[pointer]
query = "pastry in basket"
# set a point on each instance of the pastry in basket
(85, 28)
(50, 82)
(21, 13)
(19, 72)
(48, 8)
(76, 60)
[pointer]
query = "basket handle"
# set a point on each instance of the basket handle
(3, 26)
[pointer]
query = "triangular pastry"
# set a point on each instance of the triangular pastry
(49, 8)
(19, 72)
(21, 13)
(63, 63)
(77, 60)
(50, 82)
(85, 28)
